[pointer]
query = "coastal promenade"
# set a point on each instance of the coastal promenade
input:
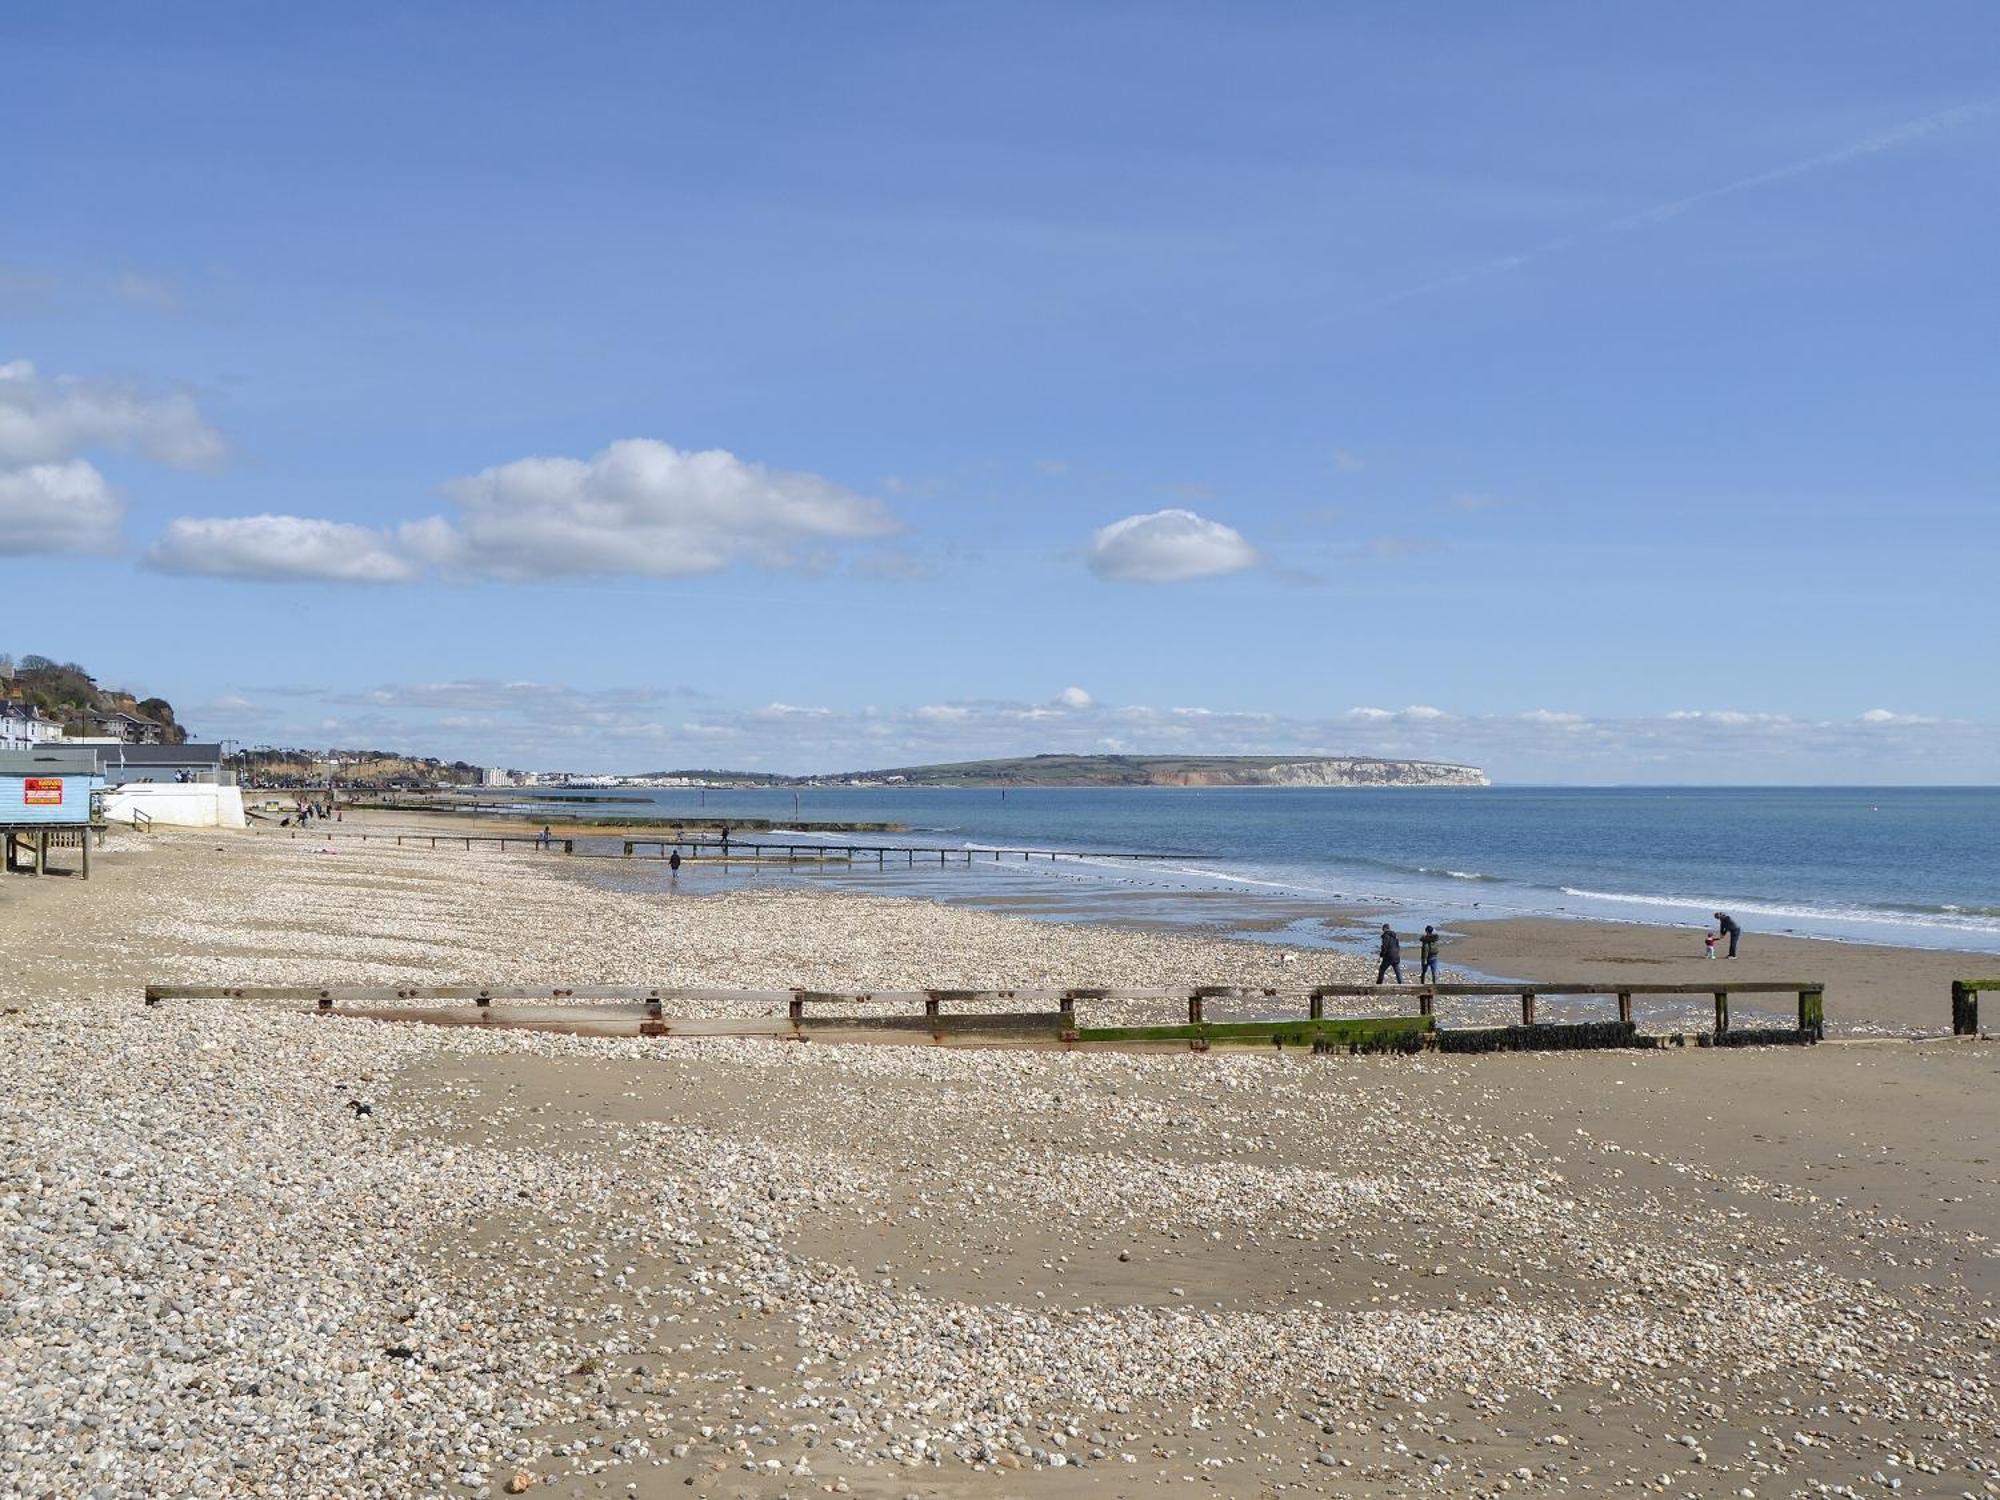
(244, 1248)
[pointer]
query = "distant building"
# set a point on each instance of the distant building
(23, 726)
(129, 728)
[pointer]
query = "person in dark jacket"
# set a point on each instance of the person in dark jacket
(1427, 953)
(1392, 955)
(1726, 925)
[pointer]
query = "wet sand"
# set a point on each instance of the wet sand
(1870, 991)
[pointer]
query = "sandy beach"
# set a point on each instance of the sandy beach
(588, 1266)
(1871, 990)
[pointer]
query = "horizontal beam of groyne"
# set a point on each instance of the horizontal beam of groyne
(1297, 1017)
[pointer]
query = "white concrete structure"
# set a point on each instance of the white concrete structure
(168, 805)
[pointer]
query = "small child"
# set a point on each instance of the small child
(1708, 944)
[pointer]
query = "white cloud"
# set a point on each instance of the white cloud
(1344, 459)
(279, 549)
(1473, 500)
(1889, 716)
(643, 507)
(1073, 697)
(1168, 546)
(58, 507)
(46, 419)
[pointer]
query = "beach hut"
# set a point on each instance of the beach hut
(50, 797)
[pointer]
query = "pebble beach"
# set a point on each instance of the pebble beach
(245, 1250)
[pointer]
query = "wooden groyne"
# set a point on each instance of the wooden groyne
(1046, 1016)
(1965, 1004)
(566, 844)
(881, 854)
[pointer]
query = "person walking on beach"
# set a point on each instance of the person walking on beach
(1427, 955)
(1392, 955)
(674, 863)
(1726, 924)
(542, 838)
(1708, 945)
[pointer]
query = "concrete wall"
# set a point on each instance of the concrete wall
(176, 806)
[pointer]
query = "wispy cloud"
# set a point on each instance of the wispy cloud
(1898, 136)
(155, 292)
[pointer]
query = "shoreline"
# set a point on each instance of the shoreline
(1872, 989)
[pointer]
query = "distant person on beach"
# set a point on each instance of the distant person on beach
(1726, 924)
(1427, 954)
(674, 862)
(1392, 955)
(542, 838)
(725, 837)
(1708, 945)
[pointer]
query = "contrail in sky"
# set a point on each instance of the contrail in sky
(1873, 145)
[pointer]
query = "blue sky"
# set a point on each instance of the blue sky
(1594, 392)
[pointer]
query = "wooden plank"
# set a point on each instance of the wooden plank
(1349, 1032)
(387, 994)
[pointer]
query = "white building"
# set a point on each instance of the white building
(24, 726)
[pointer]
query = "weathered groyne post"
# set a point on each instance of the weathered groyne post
(1965, 1004)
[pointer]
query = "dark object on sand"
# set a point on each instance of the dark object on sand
(360, 1108)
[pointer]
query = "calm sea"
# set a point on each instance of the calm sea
(1916, 867)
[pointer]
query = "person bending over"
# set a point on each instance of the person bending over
(1726, 924)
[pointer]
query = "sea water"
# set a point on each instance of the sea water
(1916, 867)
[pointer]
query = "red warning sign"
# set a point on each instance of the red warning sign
(42, 791)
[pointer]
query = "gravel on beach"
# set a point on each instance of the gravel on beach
(246, 1250)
